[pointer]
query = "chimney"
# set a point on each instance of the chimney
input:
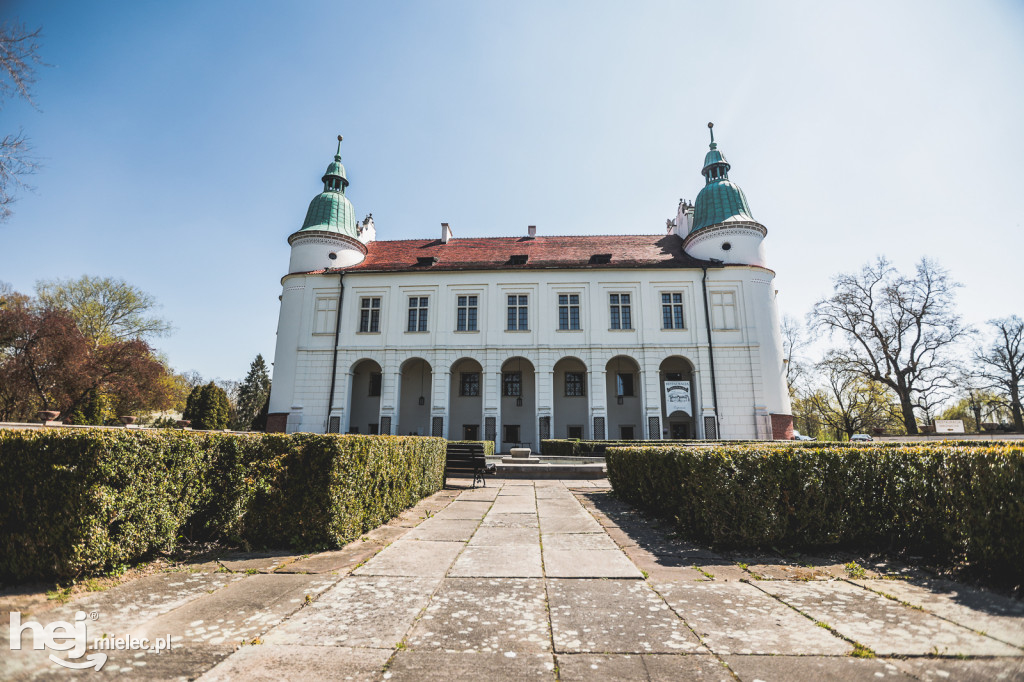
(446, 233)
(531, 231)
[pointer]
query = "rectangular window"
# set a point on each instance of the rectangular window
(624, 384)
(620, 311)
(469, 383)
(417, 314)
(369, 314)
(672, 311)
(575, 384)
(466, 314)
(568, 311)
(518, 319)
(511, 433)
(512, 384)
(626, 433)
(723, 310)
(324, 322)
(374, 384)
(574, 432)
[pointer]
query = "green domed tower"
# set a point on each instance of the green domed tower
(721, 200)
(331, 211)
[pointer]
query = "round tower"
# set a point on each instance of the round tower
(723, 228)
(329, 237)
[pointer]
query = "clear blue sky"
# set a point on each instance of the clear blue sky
(181, 142)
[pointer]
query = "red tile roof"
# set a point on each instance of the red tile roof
(495, 253)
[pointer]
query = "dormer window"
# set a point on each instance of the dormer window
(518, 259)
(601, 259)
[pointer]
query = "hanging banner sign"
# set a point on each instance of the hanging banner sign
(677, 397)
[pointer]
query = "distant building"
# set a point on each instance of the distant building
(516, 339)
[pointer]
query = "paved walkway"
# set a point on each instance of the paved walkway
(537, 580)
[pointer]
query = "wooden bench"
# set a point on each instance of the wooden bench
(467, 459)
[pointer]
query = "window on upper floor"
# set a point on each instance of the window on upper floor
(369, 314)
(518, 313)
(723, 310)
(469, 383)
(621, 316)
(672, 311)
(575, 384)
(512, 384)
(568, 311)
(466, 313)
(417, 314)
(323, 316)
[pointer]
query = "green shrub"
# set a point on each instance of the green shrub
(952, 501)
(80, 501)
(488, 445)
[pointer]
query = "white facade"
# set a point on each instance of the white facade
(528, 380)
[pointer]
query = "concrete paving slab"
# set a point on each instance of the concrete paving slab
(493, 615)
(666, 569)
(272, 662)
(614, 616)
(385, 535)
(438, 666)
(464, 510)
(580, 523)
(478, 495)
(264, 562)
(373, 612)
(981, 610)
(555, 491)
(814, 668)
(239, 612)
(339, 561)
(494, 536)
(413, 558)
(520, 504)
(407, 519)
(884, 626)
(182, 663)
(510, 521)
(972, 670)
(719, 571)
(444, 530)
(507, 561)
(737, 618)
(567, 541)
(588, 563)
(654, 667)
(620, 537)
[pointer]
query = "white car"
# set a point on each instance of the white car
(799, 436)
(860, 438)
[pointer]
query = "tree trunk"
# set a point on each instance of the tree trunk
(909, 420)
(1018, 421)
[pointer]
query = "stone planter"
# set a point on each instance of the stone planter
(47, 415)
(128, 419)
(184, 423)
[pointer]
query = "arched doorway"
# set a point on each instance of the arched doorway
(678, 398)
(414, 398)
(465, 400)
(518, 405)
(570, 399)
(364, 398)
(623, 388)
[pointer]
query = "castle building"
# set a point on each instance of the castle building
(518, 339)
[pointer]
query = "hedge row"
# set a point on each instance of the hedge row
(556, 447)
(488, 445)
(952, 501)
(82, 501)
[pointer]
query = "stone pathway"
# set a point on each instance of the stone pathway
(542, 580)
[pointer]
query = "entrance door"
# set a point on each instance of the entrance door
(679, 431)
(470, 431)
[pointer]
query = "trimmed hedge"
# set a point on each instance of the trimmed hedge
(82, 501)
(488, 445)
(951, 501)
(557, 447)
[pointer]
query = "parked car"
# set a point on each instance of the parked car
(799, 436)
(860, 438)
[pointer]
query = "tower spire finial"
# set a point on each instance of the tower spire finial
(711, 129)
(338, 153)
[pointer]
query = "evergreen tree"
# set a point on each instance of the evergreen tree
(208, 407)
(253, 395)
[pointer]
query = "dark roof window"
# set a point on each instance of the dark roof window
(519, 259)
(426, 260)
(601, 259)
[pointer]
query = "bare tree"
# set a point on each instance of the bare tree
(849, 403)
(900, 331)
(1001, 365)
(794, 341)
(18, 61)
